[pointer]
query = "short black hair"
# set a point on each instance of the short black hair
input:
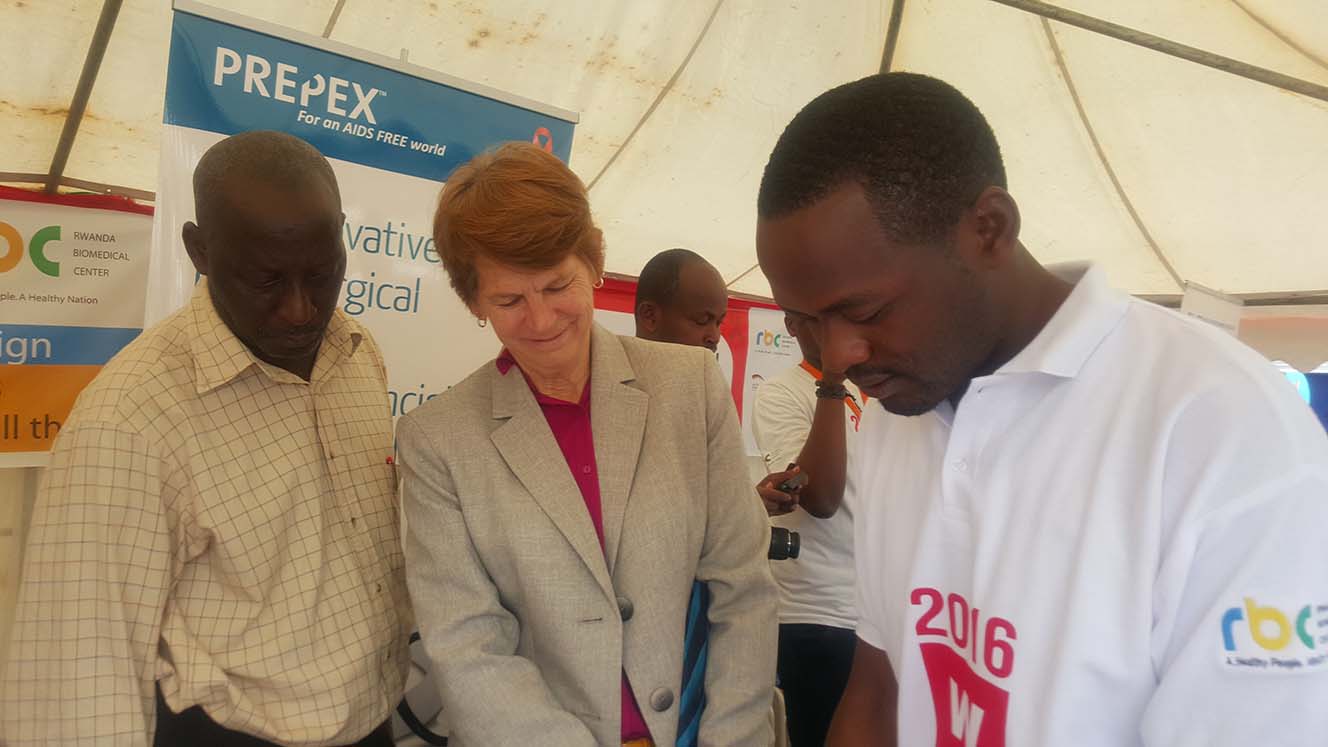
(921, 151)
(659, 278)
(272, 157)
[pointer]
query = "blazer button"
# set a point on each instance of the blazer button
(625, 608)
(661, 699)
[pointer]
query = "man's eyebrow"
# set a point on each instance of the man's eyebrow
(857, 299)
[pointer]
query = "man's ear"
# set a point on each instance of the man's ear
(195, 246)
(995, 226)
(647, 316)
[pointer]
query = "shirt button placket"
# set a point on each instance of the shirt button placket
(958, 471)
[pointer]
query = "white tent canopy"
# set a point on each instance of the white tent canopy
(1162, 170)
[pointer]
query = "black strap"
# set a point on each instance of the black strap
(411, 720)
(421, 731)
(192, 727)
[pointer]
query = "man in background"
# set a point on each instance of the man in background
(806, 417)
(681, 298)
(214, 556)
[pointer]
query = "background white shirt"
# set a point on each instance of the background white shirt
(816, 588)
(1075, 555)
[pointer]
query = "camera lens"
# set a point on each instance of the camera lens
(784, 544)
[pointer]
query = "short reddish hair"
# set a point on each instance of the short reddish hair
(515, 205)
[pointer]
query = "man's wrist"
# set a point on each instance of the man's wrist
(831, 377)
(836, 391)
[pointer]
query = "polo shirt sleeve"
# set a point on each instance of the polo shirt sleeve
(1240, 602)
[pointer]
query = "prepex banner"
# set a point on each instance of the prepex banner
(393, 133)
(73, 274)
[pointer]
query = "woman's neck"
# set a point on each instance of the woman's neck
(564, 384)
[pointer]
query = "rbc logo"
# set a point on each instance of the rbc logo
(13, 249)
(766, 338)
(1269, 627)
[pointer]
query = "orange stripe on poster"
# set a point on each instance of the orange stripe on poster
(35, 401)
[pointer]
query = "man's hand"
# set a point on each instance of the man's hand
(777, 502)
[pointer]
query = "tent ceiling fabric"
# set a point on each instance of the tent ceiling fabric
(1157, 159)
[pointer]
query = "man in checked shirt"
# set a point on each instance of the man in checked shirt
(214, 556)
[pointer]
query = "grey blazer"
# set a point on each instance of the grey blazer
(527, 622)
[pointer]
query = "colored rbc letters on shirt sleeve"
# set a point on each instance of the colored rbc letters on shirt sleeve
(1257, 636)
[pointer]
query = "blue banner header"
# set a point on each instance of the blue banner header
(50, 345)
(227, 79)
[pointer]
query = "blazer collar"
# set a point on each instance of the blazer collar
(527, 444)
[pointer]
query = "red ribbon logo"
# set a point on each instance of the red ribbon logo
(544, 139)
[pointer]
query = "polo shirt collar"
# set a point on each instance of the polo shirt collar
(1087, 316)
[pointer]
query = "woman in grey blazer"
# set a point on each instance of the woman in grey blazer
(561, 500)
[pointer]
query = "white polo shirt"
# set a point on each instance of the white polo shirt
(1119, 539)
(816, 588)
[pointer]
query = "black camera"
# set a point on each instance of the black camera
(784, 544)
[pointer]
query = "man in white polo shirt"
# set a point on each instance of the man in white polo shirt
(808, 417)
(1083, 519)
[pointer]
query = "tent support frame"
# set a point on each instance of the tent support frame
(892, 35)
(111, 9)
(16, 177)
(101, 38)
(333, 18)
(1168, 47)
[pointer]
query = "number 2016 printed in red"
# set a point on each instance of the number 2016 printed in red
(952, 618)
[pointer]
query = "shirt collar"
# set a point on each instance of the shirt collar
(1077, 329)
(219, 356)
(505, 361)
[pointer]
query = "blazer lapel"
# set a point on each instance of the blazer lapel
(618, 419)
(527, 445)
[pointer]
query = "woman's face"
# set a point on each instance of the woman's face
(543, 317)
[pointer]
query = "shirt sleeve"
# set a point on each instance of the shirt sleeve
(1240, 624)
(781, 423)
(83, 650)
(1245, 656)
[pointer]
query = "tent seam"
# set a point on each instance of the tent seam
(1102, 156)
(1287, 40)
(660, 97)
(744, 274)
